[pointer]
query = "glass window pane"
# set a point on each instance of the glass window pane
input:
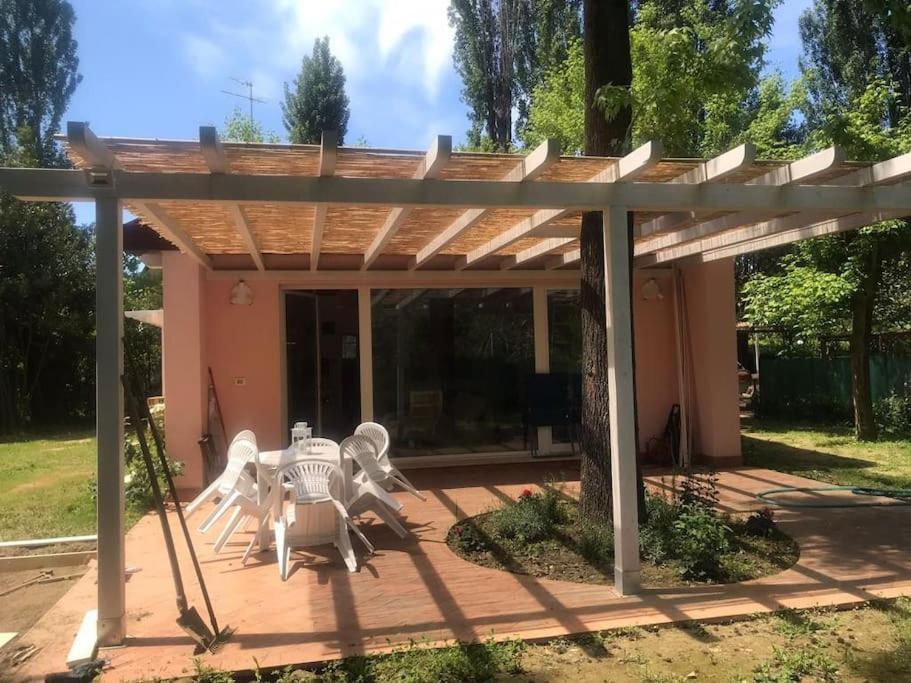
(564, 318)
(451, 368)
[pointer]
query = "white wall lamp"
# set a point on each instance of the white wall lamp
(241, 294)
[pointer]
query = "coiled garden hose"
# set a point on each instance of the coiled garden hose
(898, 496)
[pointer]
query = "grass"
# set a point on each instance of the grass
(45, 486)
(827, 453)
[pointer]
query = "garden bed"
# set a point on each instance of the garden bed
(684, 541)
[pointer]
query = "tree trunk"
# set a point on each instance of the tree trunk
(861, 332)
(607, 61)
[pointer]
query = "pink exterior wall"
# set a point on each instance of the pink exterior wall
(184, 359)
(656, 360)
(712, 328)
(243, 346)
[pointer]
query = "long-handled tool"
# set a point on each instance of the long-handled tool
(189, 619)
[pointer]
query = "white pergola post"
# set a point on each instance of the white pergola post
(621, 394)
(365, 352)
(109, 419)
(542, 355)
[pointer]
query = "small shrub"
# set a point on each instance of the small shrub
(761, 523)
(893, 415)
(467, 538)
(530, 519)
(699, 489)
(700, 538)
(657, 533)
(596, 543)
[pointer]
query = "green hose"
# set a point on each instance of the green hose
(898, 496)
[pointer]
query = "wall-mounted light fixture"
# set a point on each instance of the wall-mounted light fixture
(651, 290)
(241, 294)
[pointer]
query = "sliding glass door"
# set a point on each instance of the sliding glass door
(451, 368)
(323, 377)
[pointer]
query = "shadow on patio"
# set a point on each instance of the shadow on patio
(417, 589)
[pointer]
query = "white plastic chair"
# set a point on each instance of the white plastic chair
(238, 458)
(243, 502)
(367, 494)
(311, 482)
(378, 434)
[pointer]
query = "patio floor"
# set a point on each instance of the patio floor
(417, 589)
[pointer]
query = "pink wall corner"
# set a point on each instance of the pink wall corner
(656, 361)
(244, 351)
(183, 345)
(712, 326)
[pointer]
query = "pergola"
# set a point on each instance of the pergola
(323, 214)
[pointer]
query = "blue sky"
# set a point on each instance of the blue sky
(155, 68)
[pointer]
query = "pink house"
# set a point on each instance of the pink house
(263, 356)
(438, 293)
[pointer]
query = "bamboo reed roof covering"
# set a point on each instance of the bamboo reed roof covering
(334, 236)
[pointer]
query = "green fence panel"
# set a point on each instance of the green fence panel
(801, 386)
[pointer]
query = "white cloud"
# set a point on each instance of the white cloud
(204, 55)
(362, 33)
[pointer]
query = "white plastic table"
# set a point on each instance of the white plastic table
(271, 461)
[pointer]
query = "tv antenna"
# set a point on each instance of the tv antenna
(249, 96)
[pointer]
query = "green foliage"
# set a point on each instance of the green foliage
(467, 538)
(502, 49)
(46, 262)
(39, 71)
(796, 665)
(693, 72)
(142, 291)
(801, 300)
(531, 518)
(239, 127)
(556, 110)
(596, 543)
(893, 415)
(317, 101)
(700, 538)
(656, 535)
(695, 86)
(466, 662)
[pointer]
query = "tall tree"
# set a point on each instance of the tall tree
(39, 71)
(607, 63)
(46, 262)
(502, 47)
(696, 77)
(857, 64)
(317, 102)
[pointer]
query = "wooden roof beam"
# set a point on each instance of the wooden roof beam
(567, 258)
(328, 154)
(173, 232)
(532, 166)
(626, 169)
(794, 172)
(434, 161)
(212, 151)
(826, 227)
(246, 234)
(542, 248)
(93, 151)
(711, 171)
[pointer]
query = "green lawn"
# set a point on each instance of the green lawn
(828, 453)
(45, 487)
